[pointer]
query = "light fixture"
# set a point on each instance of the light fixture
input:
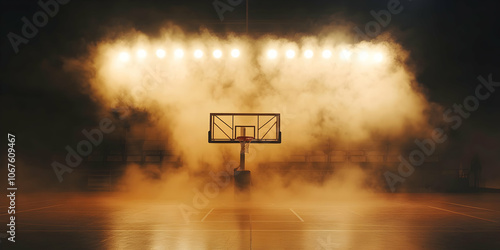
(198, 53)
(378, 57)
(345, 54)
(160, 53)
(272, 53)
(290, 54)
(308, 53)
(179, 53)
(141, 53)
(217, 53)
(235, 53)
(326, 54)
(124, 56)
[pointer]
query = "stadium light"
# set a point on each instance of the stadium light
(198, 53)
(141, 53)
(179, 53)
(217, 53)
(326, 54)
(378, 57)
(308, 53)
(272, 53)
(160, 53)
(290, 53)
(235, 53)
(124, 57)
(345, 54)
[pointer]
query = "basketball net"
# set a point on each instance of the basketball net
(244, 141)
(245, 145)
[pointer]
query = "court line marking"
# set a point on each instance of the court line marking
(480, 208)
(296, 215)
(33, 209)
(273, 221)
(207, 214)
(475, 217)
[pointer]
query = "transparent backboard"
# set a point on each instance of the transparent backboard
(227, 127)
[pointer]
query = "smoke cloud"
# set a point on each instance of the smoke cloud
(354, 93)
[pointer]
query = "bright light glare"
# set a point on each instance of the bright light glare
(378, 57)
(308, 53)
(327, 54)
(217, 53)
(141, 53)
(160, 53)
(345, 54)
(124, 56)
(198, 53)
(363, 56)
(272, 53)
(178, 53)
(290, 53)
(235, 53)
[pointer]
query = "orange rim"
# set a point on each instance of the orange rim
(244, 138)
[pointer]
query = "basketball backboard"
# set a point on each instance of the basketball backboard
(227, 127)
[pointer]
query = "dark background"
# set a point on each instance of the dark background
(451, 44)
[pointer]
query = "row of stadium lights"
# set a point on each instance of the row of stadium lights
(271, 54)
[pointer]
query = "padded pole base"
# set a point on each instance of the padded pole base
(242, 182)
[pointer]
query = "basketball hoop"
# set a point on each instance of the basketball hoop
(245, 143)
(244, 128)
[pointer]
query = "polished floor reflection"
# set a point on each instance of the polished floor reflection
(384, 221)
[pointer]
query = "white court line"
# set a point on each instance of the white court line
(296, 215)
(479, 218)
(207, 214)
(33, 209)
(480, 208)
(260, 221)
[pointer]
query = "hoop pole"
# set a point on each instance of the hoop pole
(242, 156)
(243, 141)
